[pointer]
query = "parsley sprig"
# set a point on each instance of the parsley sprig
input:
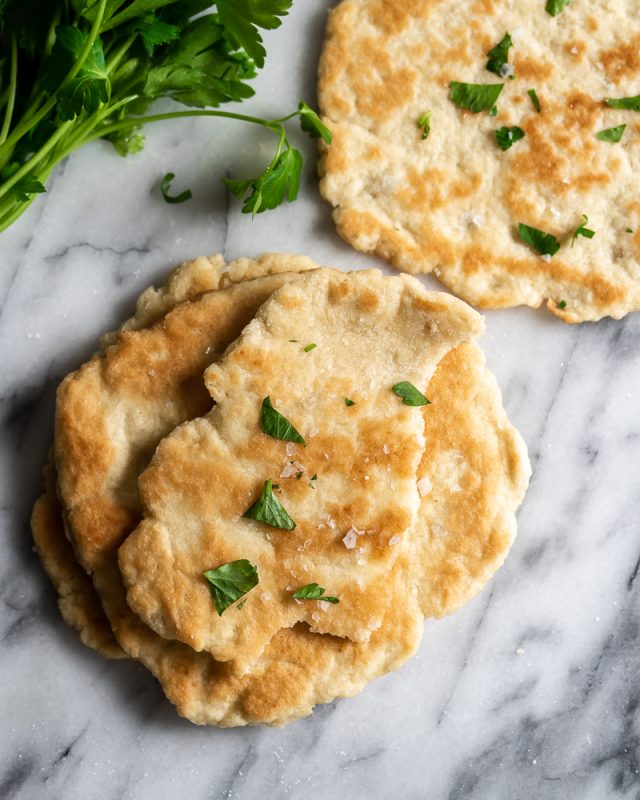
(73, 71)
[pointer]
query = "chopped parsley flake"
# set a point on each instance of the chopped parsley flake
(349, 402)
(543, 243)
(581, 230)
(269, 509)
(309, 347)
(561, 305)
(507, 137)
(612, 135)
(625, 103)
(230, 582)
(535, 100)
(424, 124)
(274, 424)
(475, 97)
(555, 7)
(409, 394)
(313, 592)
(498, 62)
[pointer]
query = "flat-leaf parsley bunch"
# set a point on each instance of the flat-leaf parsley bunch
(72, 71)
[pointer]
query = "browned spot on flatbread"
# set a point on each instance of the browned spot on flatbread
(532, 70)
(622, 61)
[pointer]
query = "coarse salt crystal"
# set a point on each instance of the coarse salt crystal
(394, 540)
(385, 449)
(265, 597)
(546, 258)
(315, 616)
(424, 486)
(324, 605)
(349, 539)
(290, 448)
(291, 468)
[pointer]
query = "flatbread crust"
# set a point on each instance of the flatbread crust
(452, 204)
(371, 332)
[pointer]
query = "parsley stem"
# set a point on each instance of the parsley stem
(35, 159)
(115, 60)
(30, 122)
(132, 122)
(13, 83)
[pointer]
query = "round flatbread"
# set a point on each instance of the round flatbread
(452, 204)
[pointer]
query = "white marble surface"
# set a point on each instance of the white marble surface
(529, 693)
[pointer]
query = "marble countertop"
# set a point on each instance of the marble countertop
(529, 693)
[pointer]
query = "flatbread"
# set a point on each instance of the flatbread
(451, 204)
(473, 476)
(78, 602)
(286, 686)
(371, 332)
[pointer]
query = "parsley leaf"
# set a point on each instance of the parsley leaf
(269, 510)
(409, 394)
(313, 592)
(424, 124)
(230, 582)
(535, 100)
(311, 123)
(625, 103)
(543, 243)
(25, 187)
(154, 32)
(507, 137)
(165, 187)
(613, 135)
(274, 424)
(90, 87)
(498, 62)
(280, 179)
(349, 402)
(241, 19)
(554, 7)
(475, 97)
(581, 230)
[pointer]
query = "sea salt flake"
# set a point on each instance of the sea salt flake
(291, 468)
(386, 450)
(349, 539)
(424, 486)
(546, 258)
(394, 540)
(265, 597)
(324, 605)
(290, 448)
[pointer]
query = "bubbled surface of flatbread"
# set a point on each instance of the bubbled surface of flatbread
(370, 333)
(451, 204)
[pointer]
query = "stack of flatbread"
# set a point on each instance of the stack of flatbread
(266, 480)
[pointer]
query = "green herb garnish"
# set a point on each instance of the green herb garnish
(629, 230)
(274, 424)
(73, 71)
(543, 243)
(554, 7)
(349, 402)
(230, 582)
(424, 124)
(313, 592)
(475, 97)
(165, 188)
(561, 305)
(269, 509)
(625, 103)
(409, 394)
(581, 230)
(498, 62)
(309, 347)
(535, 100)
(507, 137)
(613, 135)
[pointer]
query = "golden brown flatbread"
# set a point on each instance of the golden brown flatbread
(452, 203)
